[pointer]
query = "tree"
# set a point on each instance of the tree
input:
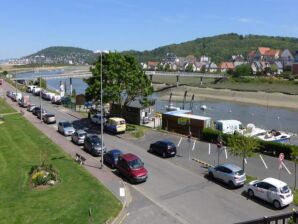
(167, 68)
(242, 146)
(189, 68)
(242, 70)
(123, 80)
(273, 69)
(43, 83)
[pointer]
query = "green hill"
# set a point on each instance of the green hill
(219, 48)
(64, 55)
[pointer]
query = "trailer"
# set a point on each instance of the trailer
(24, 101)
(228, 126)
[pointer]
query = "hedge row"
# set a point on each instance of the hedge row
(268, 148)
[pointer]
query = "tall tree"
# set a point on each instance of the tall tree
(123, 79)
(242, 146)
(242, 70)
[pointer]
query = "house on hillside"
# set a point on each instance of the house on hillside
(238, 58)
(279, 66)
(266, 54)
(225, 66)
(286, 57)
(251, 56)
(200, 66)
(211, 67)
(152, 65)
(256, 67)
(204, 58)
(170, 58)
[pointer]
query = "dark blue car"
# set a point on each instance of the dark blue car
(111, 157)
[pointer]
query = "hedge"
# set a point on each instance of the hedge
(268, 148)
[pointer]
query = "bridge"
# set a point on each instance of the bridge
(184, 74)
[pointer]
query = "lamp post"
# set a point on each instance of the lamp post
(101, 109)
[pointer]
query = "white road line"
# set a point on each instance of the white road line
(226, 153)
(194, 144)
(245, 161)
(179, 142)
(209, 148)
(285, 167)
(263, 161)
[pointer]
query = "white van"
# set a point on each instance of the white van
(228, 126)
(30, 88)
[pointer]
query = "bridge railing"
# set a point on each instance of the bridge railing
(185, 74)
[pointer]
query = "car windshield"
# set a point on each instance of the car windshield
(240, 172)
(284, 189)
(135, 164)
(95, 140)
(67, 125)
(82, 134)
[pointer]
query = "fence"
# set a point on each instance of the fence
(286, 218)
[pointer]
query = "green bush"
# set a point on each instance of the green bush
(268, 148)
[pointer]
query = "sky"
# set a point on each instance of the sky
(31, 25)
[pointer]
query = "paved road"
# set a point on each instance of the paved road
(176, 190)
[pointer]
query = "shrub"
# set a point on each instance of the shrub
(41, 175)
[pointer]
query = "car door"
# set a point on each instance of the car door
(218, 172)
(271, 193)
(123, 167)
(261, 191)
(160, 148)
(87, 144)
(225, 174)
(108, 157)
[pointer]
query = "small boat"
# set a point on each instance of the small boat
(203, 107)
(275, 136)
(252, 131)
(171, 107)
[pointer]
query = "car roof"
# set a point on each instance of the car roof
(116, 118)
(166, 141)
(129, 157)
(50, 114)
(115, 151)
(274, 182)
(231, 166)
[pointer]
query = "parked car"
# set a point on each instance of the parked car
(35, 110)
(41, 113)
(132, 168)
(164, 148)
(29, 89)
(96, 119)
(115, 125)
(66, 128)
(111, 157)
(228, 173)
(49, 118)
(8, 93)
(271, 190)
(92, 144)
(30, 107)
(78, 137)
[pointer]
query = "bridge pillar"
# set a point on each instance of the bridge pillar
(177, 82)
(70, 86)
(201, 81)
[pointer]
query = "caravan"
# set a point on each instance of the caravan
(228, 126)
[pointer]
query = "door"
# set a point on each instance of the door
(124, 168)
(271, 193)
(261, 190)
(218, 172)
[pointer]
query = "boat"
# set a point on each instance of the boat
(203, 107)
(171, 107)
(275, 136)
(252, 131)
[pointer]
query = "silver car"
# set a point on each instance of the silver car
(66, 128)
(78, 137)
(228, 173)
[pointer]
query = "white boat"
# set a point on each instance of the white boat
(275, 136)
(203, 107)
(252, 131)
(171, 107)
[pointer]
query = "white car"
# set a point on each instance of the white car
(96, 119)
(271, 190)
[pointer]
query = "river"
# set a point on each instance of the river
(262, 116)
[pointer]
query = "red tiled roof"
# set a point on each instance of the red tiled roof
(263, 50)
(251, 54)
(153, 63)
(226, 65)
(271, 52)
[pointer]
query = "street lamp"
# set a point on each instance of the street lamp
(101, 108)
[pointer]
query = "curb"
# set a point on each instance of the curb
(202, 163)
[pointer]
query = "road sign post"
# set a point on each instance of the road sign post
(189, 141)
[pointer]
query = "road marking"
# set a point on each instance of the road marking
(209, 148)
(226, 153)
(179, 142)
(245, 161)
(263, 162)
(194, 144)
(286, 168)
(122, 192)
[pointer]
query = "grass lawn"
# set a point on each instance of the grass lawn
(136, 131)
(22, 146)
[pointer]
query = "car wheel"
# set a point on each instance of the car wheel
(163, 155)
(131, 180)
(231, 184)
(250, 193)
(211, 176)
(276, 204)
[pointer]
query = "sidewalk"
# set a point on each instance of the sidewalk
(104, 175)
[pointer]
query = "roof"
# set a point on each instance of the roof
(80, 131)
(177, 112)
(191, 116)
(251, 53)
(274, 182)
(153, 63)
(129, 157)
(229, 121)
(271, 52)
(117, 118)
(231, 166)
(262, 50)
(226, 65)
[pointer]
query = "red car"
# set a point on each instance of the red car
(132, 168)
